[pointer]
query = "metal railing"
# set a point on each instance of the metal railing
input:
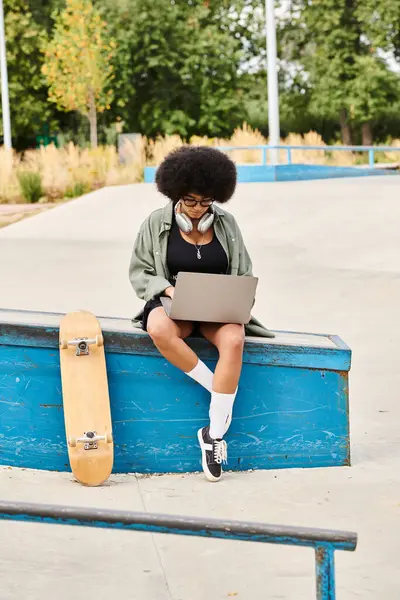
(324, 541)
(288, 149)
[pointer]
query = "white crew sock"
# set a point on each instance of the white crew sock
(220, 413)
(203, 375)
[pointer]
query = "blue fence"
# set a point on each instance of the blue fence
(266, 170)
(324, 541)
(288, 149)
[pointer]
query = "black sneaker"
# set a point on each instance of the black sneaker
(214, 453)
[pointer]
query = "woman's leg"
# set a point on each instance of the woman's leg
(168, 336)
(229, 340)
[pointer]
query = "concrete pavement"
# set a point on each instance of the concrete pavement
(328, 257)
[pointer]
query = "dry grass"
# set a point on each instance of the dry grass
(131, 171)
(64, 169)
(71, 170)
(246, 136)
(316, 157)
(157, 149)
(8, 175)
(393, 156)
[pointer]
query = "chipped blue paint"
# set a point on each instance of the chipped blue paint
(251, 531)
(325, 542)
(258, 353)
(325, 572)
(291, 409)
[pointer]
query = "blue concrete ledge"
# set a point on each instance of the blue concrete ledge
(294, 172)
(291, 410)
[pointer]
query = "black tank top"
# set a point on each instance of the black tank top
(182, 256)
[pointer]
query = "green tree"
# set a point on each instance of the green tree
(78, 62)
(374, 94)
(27, 86)
(381, 19)
(177, 67)
(348, 79)
(43, 11)
(198, 67)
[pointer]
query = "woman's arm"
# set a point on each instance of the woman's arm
(245, 263)
(142, 271)
(169, 291)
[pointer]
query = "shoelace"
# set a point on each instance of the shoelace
(220, 452)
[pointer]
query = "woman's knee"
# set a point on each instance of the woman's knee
(164, 330)
(232, 339)
(161, 329)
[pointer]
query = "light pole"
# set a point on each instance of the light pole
(5, 104)
(272, 75)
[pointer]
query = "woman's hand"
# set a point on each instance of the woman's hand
(170, 291)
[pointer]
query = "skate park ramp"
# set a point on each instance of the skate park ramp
(328, 257)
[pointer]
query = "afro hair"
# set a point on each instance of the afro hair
(198, 170)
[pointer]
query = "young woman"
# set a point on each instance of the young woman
(192, 234)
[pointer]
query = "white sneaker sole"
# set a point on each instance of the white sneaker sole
(206, 471)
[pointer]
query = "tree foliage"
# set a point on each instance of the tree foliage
(27, 88)
(198, 67)
(176, 67)
(381, 20)
(347, 77)
(78, 62)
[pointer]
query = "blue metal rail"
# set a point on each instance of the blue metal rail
(324, 541)
(288, 149)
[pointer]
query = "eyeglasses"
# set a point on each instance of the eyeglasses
(191, 202)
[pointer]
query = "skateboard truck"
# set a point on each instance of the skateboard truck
(82, 344)
(90, 439)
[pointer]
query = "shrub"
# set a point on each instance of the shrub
(30, 183)
(77, 189)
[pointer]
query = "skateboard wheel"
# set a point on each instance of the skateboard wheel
(72, 442)
(108, 437)
(63, 344)
(99, 340)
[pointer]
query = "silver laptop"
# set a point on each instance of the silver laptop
(211, 298)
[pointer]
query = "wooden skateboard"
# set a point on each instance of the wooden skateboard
(86, 398)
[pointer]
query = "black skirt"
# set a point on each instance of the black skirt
(148, 307)
(155, 303)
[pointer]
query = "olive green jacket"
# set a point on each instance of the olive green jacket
(148, 271)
